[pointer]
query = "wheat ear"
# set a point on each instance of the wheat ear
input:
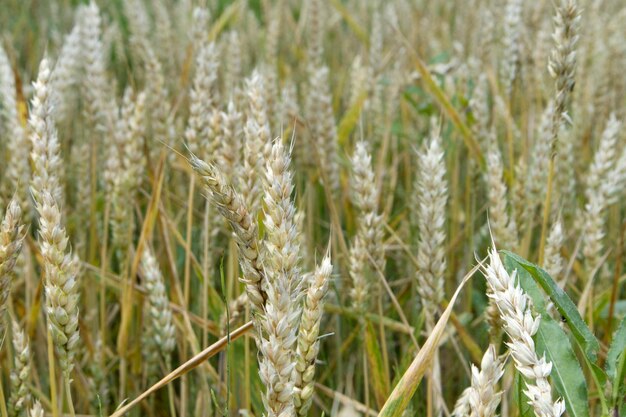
(20, 374)
(521, 324)
(11, 240)
(17, 170)
(37, 410)
(45, 154)
(432, 194)
(308, 337)
(231, 205)
(162, 333)
(283, 284)
(61, 286)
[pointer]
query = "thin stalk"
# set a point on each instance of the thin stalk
(170, 392)
(546, 212)
(205, 271)
(103, 286)
(68, 390)
(3, 403)
(192, 363)
(53, 382)
(186, 287)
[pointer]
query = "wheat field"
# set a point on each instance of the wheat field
(287, 208)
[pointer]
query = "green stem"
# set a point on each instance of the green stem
(68, 390)
(53, 382)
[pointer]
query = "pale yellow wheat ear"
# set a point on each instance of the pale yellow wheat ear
(232, 207)
(283, 284)
(520, 324)
(562, 64)
(431, 200)
(47, 173)
(20, 374)
(160, 337)
(308, 344)
(60, 270)
(11, 239)
(199, 134)
(16, 176)
(323, 127)
(481, 398)
(369, 236)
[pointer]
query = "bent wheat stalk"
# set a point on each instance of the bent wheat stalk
(192, 363)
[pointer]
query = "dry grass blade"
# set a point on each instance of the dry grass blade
(404, 390)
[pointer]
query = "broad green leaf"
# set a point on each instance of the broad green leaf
(566, 374)
(552, 341)
(585, 338)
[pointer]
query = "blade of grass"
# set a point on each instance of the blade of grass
(403, 392)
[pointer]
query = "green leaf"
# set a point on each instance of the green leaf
(350, 119)
(585, 338)
(524, 408)
(380, 378)
(618, 345)
(619, 388)
(616, 363)
(552, 341)
(566, 374)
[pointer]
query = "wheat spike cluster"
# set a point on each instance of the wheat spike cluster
(298, 208)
